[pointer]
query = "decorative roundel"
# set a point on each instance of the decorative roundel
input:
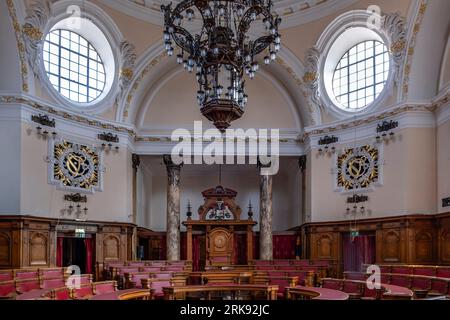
(219, 241)
(76, 165)
(358, 168)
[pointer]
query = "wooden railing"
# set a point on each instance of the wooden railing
(236, 292)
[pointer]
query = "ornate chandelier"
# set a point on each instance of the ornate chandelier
(232, 34)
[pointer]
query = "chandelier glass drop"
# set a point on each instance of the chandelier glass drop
(222, 49)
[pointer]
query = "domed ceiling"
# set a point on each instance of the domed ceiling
(293, 12)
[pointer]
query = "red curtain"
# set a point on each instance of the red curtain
(358, 251)
(183, 246)
(59, 251)
(255, 246)
(88, 242)
(196, 252)
(284, 246)
(240, 249)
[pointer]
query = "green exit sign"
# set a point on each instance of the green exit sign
(354, 233)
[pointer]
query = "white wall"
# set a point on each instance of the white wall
(409, 183)
(10, 132)
(10, 81)
(443, 163)
(39, 198)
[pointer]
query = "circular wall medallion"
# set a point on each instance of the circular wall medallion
(76, 165)
(357, 168)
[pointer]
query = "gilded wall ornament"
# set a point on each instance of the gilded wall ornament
(358, 168)
(75, 166)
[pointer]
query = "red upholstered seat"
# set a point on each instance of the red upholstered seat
(177, 263)
(439, 287)
(84, 292)
(137, 277)
(22, 274)
(276, 273)
(85, 279)
(104, 287)
(61, 294)
(150, 269)
(26, 285)
(385, 269)
(265, 267)
(52, 273)
(6, 275)
(425, 271)
(158, 263)
(385, 278)
(136, 263)
(374, 293)
(174, 268)
(282, 262)
(401, 280)
(334, 284)
(401, 269)
(162, 275)
(262, 262)
(286, 267)
(355, 276)
(352, 287)
(301, 262)
(422, 283)
(443, 272)
(158, 285)
(53, 283)
(123, 270)
(7, 289)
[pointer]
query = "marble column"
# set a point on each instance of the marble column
(265, 235)
(173, 209)
(136, 161)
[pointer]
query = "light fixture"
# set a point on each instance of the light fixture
(44, 123)
(223, 50)
(385, 130)
(327, 144)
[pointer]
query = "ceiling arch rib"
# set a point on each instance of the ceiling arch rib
(155, 68)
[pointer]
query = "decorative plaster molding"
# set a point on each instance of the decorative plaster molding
(312, 75)
(410, 48)
(128, 61)
(371, 119)
(20, 44)
(394, 27)
(293, 12)
(35, 21)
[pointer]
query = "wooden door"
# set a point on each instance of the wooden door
(220, 246)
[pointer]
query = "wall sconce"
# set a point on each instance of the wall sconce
(77, 199)
(357, 199)
(327, 144)
(385, 130)
(111, 141)
(44, 125)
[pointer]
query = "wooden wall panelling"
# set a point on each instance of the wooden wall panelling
(443, 236)
(6, 248)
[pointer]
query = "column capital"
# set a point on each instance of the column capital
(167, 158)
(136, 161)
(302, 163)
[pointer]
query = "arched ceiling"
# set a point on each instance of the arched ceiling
(293, 12)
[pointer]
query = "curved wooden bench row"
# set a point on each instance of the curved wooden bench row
(10, 289)
(410, 269)
(32, 273)
(358, 289)
(83, 292)
(422, 286)
(313, 293)
(127, 294)
(267, 292)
